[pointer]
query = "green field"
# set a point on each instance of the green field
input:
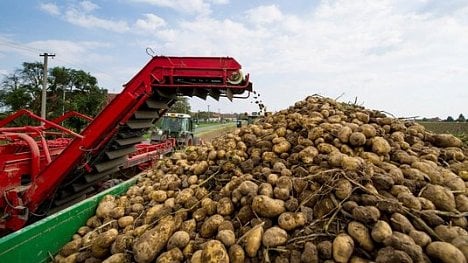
(459, 129)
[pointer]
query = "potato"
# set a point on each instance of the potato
(265, 189)
(138, 231)
(199, 214)
(236, 254)
(274, 237)
(117, 212)
(290, 221)
(253, 240)
(351, 163)
(248, 188)
(348, 206)
(227, 237)
(197, 257)
(426, 204)
(71, 247)
(461, 243)
(105, 207)
(83, 230)
(209, 205)
(446, 140)
(225, 206)
(155, 212)
(159, 196)
(344, 133)
(448, 233)
(462, 203)
(93, 222)
(100, 246)
(368, 130)
(391, 255)
(357, 139)
(200, 168)
(117, 258)
(325, 249)
(308, 154)
(171, 256)
(179, 239)
(343, 247)
(88, 238)
(281, 193)
(440, 196)
(70, 259)
(380, 146)
(366, 214)
(267, 206)
(210, 227)
(360, 233)
(400, 223)
(214, 252)
(281, 147)
(420, 238)
(125, 221)
(460, 221)
(445, 252)
(383, 182)
(122, 243)
(151, 243)
(405, 243)
(310, 253)
(343, 189)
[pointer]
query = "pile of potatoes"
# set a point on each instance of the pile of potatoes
(321, 181)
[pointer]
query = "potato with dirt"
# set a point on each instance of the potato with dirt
(214, 252)
(445, 252)
(343, 248)
(267, 206)
(151, 243)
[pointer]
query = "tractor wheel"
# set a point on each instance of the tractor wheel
(189, 141)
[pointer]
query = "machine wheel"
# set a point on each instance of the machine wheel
(189, 141)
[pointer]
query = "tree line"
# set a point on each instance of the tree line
(461, 118)
(68, 90)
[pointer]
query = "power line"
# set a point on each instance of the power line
(20, 46)
(34, 51)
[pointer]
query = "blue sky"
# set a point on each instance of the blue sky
(408, 58)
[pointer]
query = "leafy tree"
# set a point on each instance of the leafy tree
(68, 89)
(461, 118)
(181, 105)
(449, 119)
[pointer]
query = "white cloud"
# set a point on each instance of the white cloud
(264, 14)
(219, 2)
(71, 52)
(88, 6)
(202, 7)
(80, 15)
(79, 18)
(150, 23)
(50, 8)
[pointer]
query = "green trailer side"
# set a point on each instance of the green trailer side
(39, 241)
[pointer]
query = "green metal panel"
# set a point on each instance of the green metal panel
(39, 241)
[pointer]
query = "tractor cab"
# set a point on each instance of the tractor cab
(174, 125)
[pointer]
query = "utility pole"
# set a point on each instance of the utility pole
(44, 84)
(208, 112)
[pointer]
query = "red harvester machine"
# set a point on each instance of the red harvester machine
(45, 168)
